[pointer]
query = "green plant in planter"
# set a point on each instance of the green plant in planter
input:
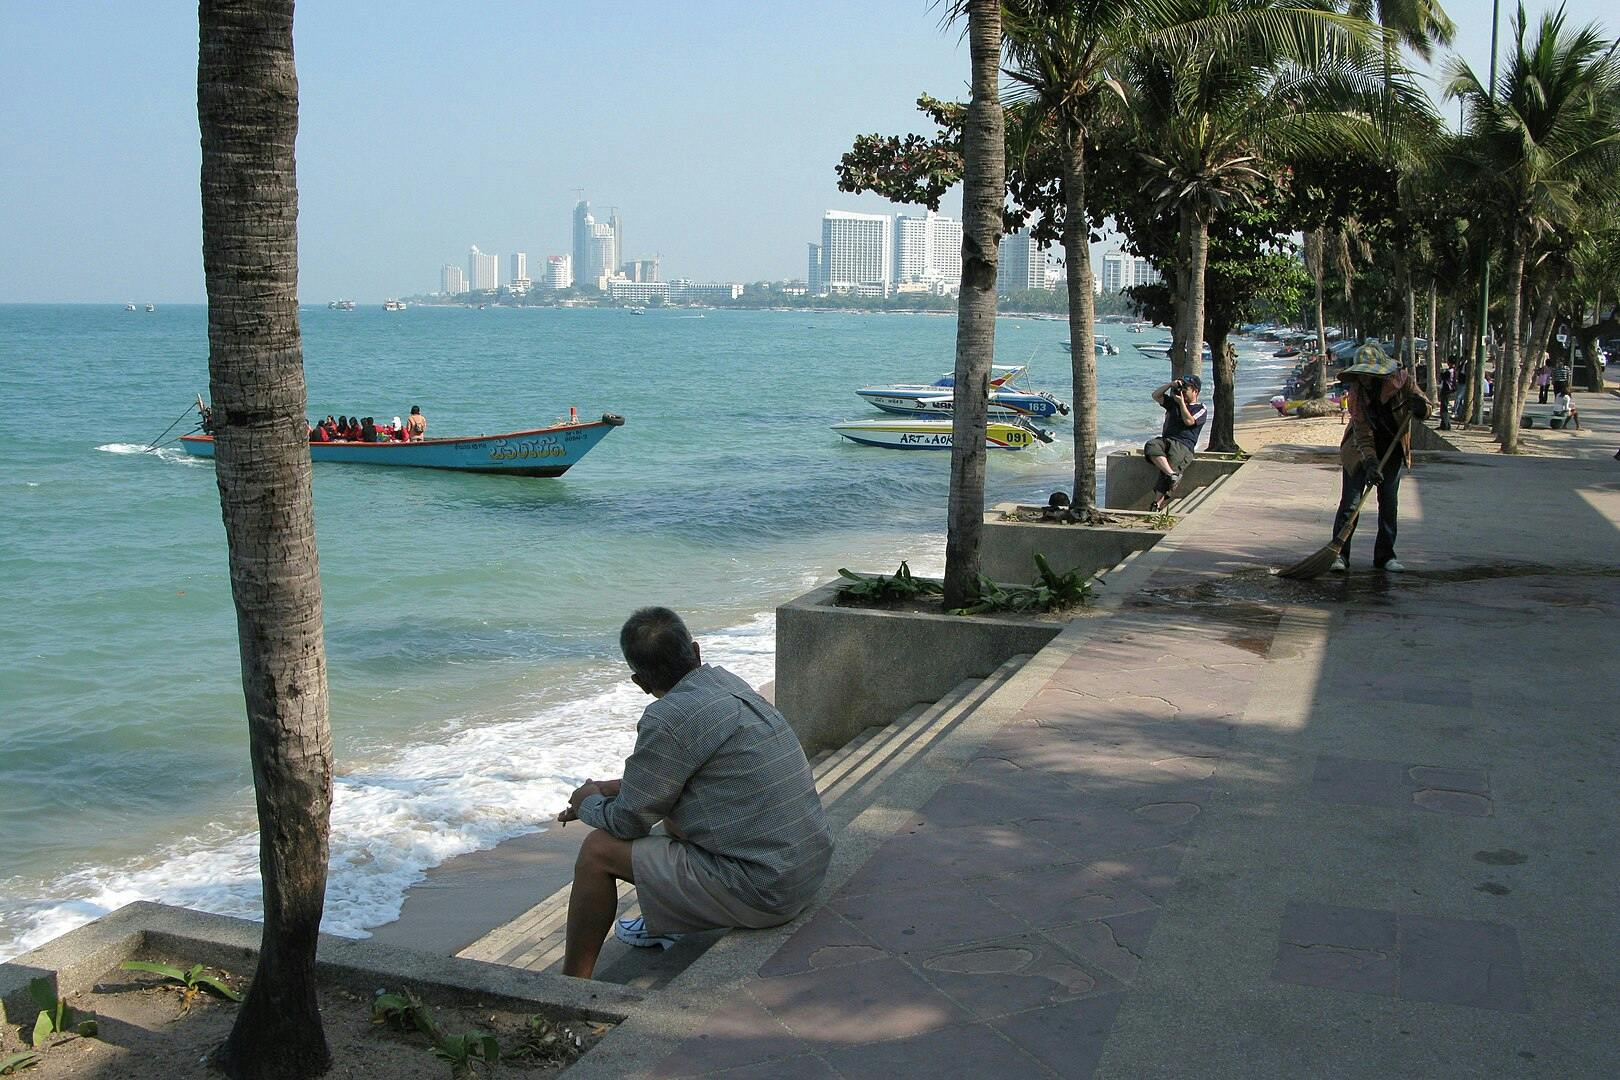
(56, 1016)
(462, 1050)
(1050, 591)
(546, 1041)
(193, 980)
(884, 590)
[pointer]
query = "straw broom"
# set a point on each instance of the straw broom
(1316, 565)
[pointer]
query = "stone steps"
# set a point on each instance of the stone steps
(847, 778)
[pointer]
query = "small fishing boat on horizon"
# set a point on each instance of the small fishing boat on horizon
(547, 451)
(934, 433)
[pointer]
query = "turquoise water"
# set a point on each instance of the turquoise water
(470, 620)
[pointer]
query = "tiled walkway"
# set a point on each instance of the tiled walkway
(1359, 828)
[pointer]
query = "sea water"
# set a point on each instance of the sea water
(471, 620)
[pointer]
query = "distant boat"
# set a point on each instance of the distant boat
(151, 307)
(341, 305)
(548, 451)
(129, 307)
(935, 434)
(939, 396)
(1136, 328)
(1161, 351)
(394, 305)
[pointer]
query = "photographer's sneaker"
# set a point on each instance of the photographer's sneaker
(634, 932)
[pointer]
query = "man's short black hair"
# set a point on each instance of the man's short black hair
(658, 647)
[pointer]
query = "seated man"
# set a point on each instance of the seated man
(745, 842)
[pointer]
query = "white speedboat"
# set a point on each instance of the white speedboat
(151, 307)
(939, 397)
(394, 305)
(129, 307)
(934, 433)
(1161, 350)
(341, 305)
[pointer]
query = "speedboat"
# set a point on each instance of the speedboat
(1099, 344)
(934, 433)
(1136, 328)
(1161, 350)
(394, 305)
(151, 307)
(129, 307)
(939, 396)
(341, 305)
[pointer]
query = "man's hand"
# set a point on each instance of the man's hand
(1372, 476)
(581, 793)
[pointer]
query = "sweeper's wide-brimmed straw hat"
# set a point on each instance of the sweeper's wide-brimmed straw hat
(1371, 360)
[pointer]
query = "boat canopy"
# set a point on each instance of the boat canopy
(1000, 375)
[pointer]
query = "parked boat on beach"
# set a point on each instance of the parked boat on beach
(1006, 398)
(547, 451)
(934, 433)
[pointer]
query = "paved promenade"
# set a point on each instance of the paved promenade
(1358, 827)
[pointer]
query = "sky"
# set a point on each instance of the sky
(712, 126)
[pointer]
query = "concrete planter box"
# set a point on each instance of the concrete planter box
(840, 670)
(1009, 547)
(74, 961)
(1130, 478)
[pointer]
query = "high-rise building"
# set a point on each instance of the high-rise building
(483, 271)
(856, 250)
(641, 269)
(1022, 264)
(583, 223)
(812, 273)
(559, 272)
(1145, 273)
(1118, 272)
(928, 249)
(520, 266)
(452, 281)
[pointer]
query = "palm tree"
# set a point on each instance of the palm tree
(984, 188)
(1207, 108)
(247, 107)
(1060, 52)
(1551, 125)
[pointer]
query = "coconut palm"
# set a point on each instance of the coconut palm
(1551, 125)
(984, 188)
(1207, 110)
(247, 107)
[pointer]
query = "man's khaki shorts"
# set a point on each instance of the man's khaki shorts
(679, 896)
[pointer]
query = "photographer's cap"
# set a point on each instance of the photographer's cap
(1193, 381)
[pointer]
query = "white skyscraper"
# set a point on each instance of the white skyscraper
(452, 281)
(1145, 274)
(520, 265)
(483, 271)
(812, 273)
(1022, 264)
(559, 272)
(856, 250)
(1118, 272)
(928, 249)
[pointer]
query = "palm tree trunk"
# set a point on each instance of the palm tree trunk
(247, 107)
(1082, 317)
(984, 190)
(1316, 251)
(1540, 333)
(1190, 351)
(1223, 421)
(1432, 375)
(1409, 355)
(1507, 407)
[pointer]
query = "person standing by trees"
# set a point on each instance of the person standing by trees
(1384, 404)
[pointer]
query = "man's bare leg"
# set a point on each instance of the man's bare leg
(1164, 466)
(593, 900)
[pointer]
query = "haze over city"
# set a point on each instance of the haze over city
(713, 129)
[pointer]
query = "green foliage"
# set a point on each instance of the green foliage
(1050, 591)
(887, 590)
(393, 1010)
(56, 1017)
(193, 980)
(461, 1051)
(13, 1063)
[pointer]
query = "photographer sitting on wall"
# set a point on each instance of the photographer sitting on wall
(1172, 451)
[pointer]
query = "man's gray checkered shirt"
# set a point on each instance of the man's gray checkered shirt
(728, 772)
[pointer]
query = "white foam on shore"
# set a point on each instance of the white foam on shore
(393, 821)
(172, 455)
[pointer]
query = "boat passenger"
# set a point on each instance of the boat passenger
(416, 426)
(368, 430)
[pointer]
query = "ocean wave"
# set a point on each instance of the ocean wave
(170, 454)
(392, 821)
